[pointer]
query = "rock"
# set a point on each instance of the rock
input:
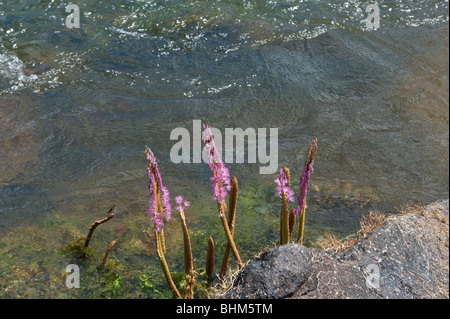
(409, 251)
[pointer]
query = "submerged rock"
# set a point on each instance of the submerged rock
(407, 256)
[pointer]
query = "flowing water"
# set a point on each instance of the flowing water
(78, 106)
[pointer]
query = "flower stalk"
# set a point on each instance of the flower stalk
(188, 259)
(291, 222)
(286, 194)
(209, 261)
(159, 209)
(308, 169)
(232, 202)
(164, 265)
(220, 183)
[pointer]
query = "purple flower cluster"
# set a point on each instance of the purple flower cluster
(283, 188)
(220, 181)
(159, 206)
(181, 203)
(308, 169)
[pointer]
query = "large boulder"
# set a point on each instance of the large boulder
(407, 256)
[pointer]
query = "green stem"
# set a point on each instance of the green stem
(231, 218)
(210, 260)
(301, 224)
(229, 236)
(165, 268)
(188, 259)
(291, 222)
(284, 220)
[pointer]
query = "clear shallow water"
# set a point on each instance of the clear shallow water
(78, 106)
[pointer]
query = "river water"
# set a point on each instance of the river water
(78, 106)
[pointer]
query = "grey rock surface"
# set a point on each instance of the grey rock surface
(407, 256)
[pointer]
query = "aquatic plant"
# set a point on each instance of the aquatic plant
(105, 258)
(308, 169)
(96, 224)
(98, 269)
(76, 250)
(80, 248)
(220, 183)
(188, 259)
(209, 260)
(291, 212)
(232, 202)
(292, 219)
(159, 208)
(287, 194)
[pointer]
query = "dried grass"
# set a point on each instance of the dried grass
(371, 221)
(368, 223)
(221, 287)
(331, 242)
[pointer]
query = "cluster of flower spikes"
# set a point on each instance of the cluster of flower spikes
(159, 206)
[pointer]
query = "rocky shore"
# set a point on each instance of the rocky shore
(406, 257)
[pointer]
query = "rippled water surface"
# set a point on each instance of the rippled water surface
(77, 107)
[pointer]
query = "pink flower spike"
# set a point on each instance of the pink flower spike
(157, 190)
(283, 188)
(308, 169)
(178, 199)
(220, 181)
(181, 202)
